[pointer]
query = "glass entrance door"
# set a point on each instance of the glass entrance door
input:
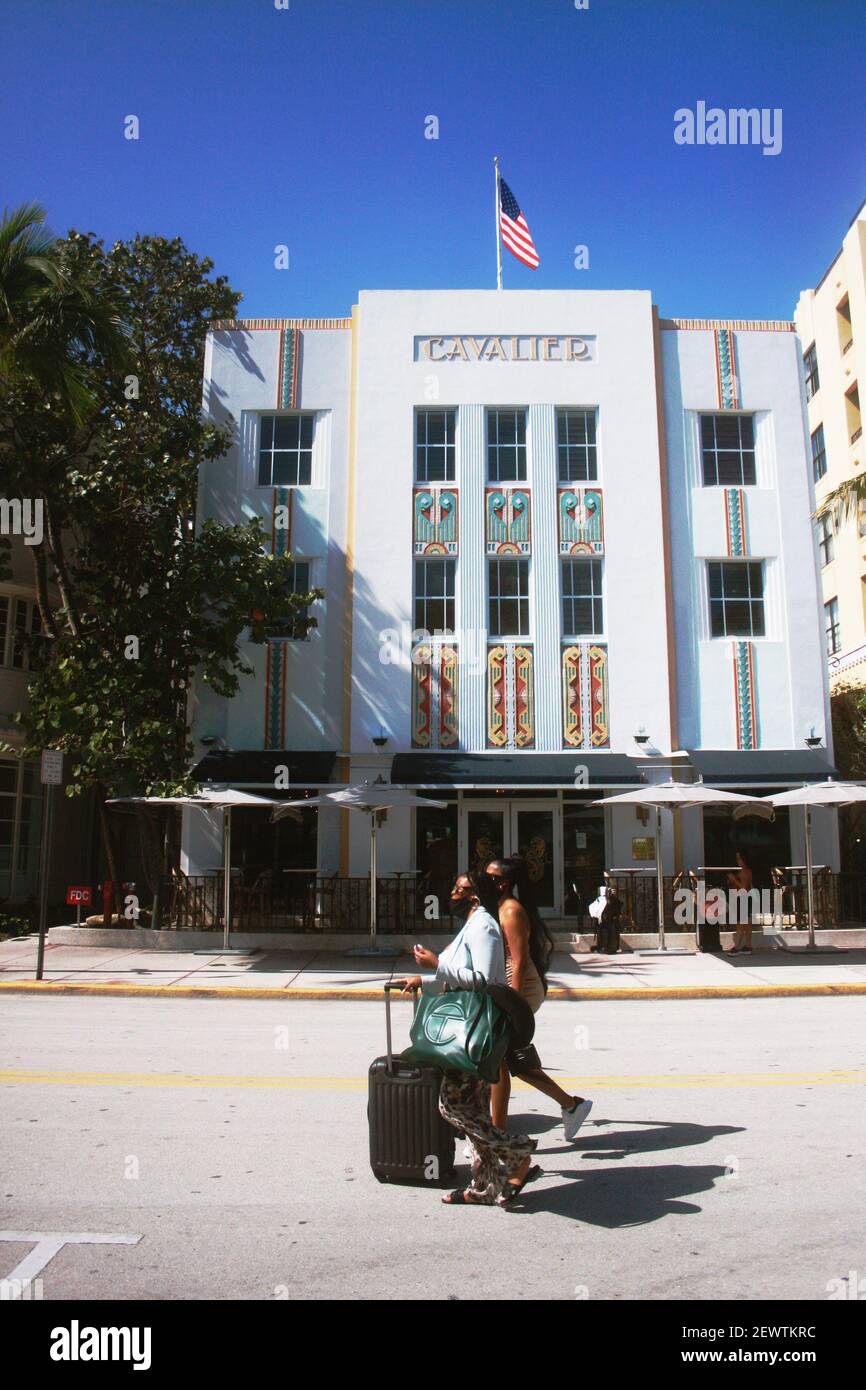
(531, 829)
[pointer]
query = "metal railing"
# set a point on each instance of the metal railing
(300, 904)
(323, 903)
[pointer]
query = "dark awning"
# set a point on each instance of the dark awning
(763, 767)
(513, 769)
(255, 767)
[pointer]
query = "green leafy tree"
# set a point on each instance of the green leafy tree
(135, 600)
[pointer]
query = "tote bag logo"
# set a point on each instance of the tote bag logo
(440, 1026)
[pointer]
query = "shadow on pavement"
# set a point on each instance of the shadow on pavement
(618, 1197)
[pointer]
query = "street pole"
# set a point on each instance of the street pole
(498, 233)
(43, 878)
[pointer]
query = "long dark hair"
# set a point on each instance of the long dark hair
(541, 943)
(484, 889)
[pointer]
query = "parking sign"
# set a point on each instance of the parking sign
(52, 767)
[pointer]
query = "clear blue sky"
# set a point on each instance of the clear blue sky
(306, 127)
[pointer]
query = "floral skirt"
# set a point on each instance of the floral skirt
(464, 1101)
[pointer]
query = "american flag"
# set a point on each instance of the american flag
(512, 224)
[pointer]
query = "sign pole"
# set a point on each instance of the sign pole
(51, 776)
(498, 234)
(43, 877)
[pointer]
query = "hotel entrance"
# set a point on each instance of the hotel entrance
(496, 828)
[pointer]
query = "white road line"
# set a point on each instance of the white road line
(47, 1244)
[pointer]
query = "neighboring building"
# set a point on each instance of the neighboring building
(556, 534)
(831, 324)
(20, 789)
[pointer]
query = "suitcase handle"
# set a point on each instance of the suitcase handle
(388, 988)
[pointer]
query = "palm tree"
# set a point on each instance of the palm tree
(50, 322)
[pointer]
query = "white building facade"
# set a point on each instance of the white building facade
(565, 546)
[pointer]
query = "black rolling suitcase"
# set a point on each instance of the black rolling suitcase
(708, 938)
(409, 1140)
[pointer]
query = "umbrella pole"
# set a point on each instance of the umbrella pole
(227, 875)
(660, 879)
(373, 903)
(810, 891)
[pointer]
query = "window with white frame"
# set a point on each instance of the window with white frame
(508, 596)
(286, 450)
(506, 446)
(434, 594)
(434, 445)
(582, 599)
(736, 594)
(728, 450)
(300, 582)
(576, 446)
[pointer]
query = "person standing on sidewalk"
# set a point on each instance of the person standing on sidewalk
(528, 947)
(502, 1162)
(742, 880)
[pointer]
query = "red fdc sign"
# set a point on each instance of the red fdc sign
(74, 896)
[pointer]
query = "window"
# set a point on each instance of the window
(20, 822)
(434, 446)
(509, 598)
(582, 608)
(286, 450)
(825, 538)
(843, 325)
(728, 450)
(19, 620)
(506, 446)
(299, 583)
(831, 626)
(576, 446)
(810, 367)
(736, 598)
(819, 454)
(852, 412)
(434, 595)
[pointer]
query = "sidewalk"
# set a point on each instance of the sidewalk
(318, 975)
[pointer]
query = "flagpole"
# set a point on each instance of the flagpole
(498, 235)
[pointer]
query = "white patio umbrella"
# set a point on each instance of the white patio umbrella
(830, 794)
(368, 797)
(675, 795)
(223, 799)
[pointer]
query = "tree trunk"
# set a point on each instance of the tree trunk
(108, 845)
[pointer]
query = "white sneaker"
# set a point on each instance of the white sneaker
(573, 1119)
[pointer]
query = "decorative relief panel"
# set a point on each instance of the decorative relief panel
(507, 521)
(434, 695)
(434, 521)
(727, 385)
(585, 696)
(744, 695)
(510, 696)
(581, 521)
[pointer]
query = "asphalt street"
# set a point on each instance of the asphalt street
(226, 1142)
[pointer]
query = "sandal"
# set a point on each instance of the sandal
(460, 1198)
(514, 1190)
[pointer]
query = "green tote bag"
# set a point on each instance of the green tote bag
(460, 1030)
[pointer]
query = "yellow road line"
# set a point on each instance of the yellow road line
(374, 993)
(696, 1080)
